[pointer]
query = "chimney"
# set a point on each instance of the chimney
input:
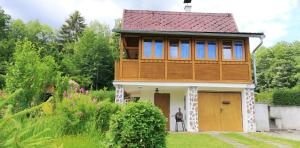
(187, 7)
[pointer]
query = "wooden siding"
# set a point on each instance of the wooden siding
(152, 70)
(180, 71)
(130, 69)
(207, 71)
(235, 72)
(192, 70)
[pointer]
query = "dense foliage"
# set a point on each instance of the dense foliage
(287, 97)
(31, 73)
(104, 114)
(92, 62)
(138, 125)
(278, 66)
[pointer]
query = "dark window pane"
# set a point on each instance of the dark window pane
(200, 48)
(238, 50)
(147, 48)
(173, 49)
(159, 49)
(227, 50)
(185, 49)
(212, 49)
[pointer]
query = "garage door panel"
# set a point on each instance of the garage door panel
(231, 117)
(209, 112)
(220, 111)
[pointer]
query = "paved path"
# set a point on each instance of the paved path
(266, 141)
(228, 140)
(294, 135)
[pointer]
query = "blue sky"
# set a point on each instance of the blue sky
(278, 19)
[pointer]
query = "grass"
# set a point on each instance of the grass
(284, 141)
(190, 140)
(247, 141)
(76, 142)
(186, 140)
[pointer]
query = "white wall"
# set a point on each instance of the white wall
(286, 117)
(262, 117)
(176, 101)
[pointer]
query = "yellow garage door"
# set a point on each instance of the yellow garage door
(220, 111)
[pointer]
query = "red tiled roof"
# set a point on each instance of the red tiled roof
(178, 21)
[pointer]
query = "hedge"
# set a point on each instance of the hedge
(286, 97)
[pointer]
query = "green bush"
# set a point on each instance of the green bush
(103, 94)
(103, 115)
(286, 97)
(79, 111)
(138, 124)
(264, 97)
(31, 73)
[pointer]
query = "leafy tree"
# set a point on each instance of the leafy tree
(72, 29)
(32, 74)
(4, 53)
(92, 61)
(39, 34)
(4, 23)
(116, 39)
(278, 66)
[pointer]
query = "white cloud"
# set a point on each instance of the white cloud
(269, 16)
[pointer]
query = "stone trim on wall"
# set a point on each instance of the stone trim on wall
(119, 98)
(192, 109)
(250, 110)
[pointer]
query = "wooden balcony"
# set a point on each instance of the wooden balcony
(182, 71)
(137, 68)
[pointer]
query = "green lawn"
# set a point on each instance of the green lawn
(194, 140)
(284, 141)
(187, 140)
(248, 141)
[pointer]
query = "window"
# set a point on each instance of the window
(200, 50)
(159, 47)
(153, 49)
(185, 49)
(233, 50)
(238, 50)
(180, 49)
(206, 50)
(174, 50)
(212, 50)
(227, 54)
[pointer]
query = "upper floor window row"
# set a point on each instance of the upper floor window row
(232, 50)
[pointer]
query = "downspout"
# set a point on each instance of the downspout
(253, 57)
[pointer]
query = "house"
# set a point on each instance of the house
(198, 62)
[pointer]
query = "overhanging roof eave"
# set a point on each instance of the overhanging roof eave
(186, 33)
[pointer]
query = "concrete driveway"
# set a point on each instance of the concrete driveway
(295, 135)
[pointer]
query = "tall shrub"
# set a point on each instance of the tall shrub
(31, 73)
(103, 115)
(79, 111)
(287, 97)
(138, 124)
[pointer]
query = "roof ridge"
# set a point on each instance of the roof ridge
(173, 12)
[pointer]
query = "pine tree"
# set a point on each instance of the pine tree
(72, 29)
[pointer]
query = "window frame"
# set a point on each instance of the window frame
(233, 50)
(153, 40)
(243, 50)
(179, 48)
(206, 49)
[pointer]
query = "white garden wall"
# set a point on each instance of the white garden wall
(286, 117)
(262, 117)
